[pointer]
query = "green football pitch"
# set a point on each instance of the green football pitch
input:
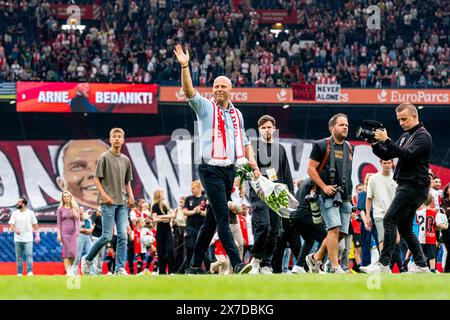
(236, 287)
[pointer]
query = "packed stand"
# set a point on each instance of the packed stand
(135, 39)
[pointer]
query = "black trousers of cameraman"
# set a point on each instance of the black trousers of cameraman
(310, 232)
(288, 235)
(400, 215)
(266, 229)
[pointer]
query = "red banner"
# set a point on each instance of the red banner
(85, 12)
(304, 92)
(86, 97)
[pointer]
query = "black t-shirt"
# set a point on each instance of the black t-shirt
(162, 227)
(98, 225)
(273, 156)
(195, 221)
(318, 153)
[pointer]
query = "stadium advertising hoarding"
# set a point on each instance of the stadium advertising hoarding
(86, 97)
(40, 170)
(318, 94)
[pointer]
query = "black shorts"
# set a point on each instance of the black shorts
(357, 240)
(429, 250)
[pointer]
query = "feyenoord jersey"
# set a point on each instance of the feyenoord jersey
(139, 246)
(426, 219)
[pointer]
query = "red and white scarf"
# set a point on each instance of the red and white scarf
(219, 137)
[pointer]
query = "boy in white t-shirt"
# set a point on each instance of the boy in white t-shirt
(24, 222)
(380, 193)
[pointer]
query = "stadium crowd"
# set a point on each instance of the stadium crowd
(134, 40)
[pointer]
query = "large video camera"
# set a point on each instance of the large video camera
(367, 130)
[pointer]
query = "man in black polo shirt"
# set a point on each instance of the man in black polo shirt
(195, 211)
(273, 163)
(413, 150)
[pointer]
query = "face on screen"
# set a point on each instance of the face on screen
(79, 163)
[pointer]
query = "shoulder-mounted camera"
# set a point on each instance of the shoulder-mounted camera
(367, 130)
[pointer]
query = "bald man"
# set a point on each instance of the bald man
(81, 102)
(223, 144)
(76, 164)
(413, 150)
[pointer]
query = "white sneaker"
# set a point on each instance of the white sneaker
(109, 273)
(337, 270)
(313, 265)
(266, 270)
(256, 266)
(121, 272)
(85, 266)
(146, 271)
(30, 274)
(298, 270)
(375, 268)
(416, 269)
(20, 275)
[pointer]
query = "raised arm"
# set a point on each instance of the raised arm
(186, 80)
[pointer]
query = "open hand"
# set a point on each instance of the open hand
(183, 58)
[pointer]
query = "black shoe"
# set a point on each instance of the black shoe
(196, 271)
(242, 268)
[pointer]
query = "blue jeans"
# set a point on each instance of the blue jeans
(111, 214)
(286, 258)
(21, 249)
(335, 216)
(84, 245)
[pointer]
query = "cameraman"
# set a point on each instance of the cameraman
(336, 186)
(413, 149)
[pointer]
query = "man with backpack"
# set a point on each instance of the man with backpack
(330, 169)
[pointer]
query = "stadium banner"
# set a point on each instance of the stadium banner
(328, 92)
(86, 97)
(40, 170)
(86, 11)
(277, 16)
(309, 94)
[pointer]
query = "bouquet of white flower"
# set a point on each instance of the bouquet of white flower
(275, 195)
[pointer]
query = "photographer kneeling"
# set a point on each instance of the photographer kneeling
(308, 226)
(330, 168)
(413, 149)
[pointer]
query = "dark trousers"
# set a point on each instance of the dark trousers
(179, 252)
(288, 235)
(366, 243)
(140, 257)
(130, 256)
(266, 228)
(217, 182)
(396, 257)
(165, 251)
(446, 239)
(189, 245)
(309, 231)
(400, 215)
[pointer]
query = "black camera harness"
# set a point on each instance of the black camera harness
(347, 151)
